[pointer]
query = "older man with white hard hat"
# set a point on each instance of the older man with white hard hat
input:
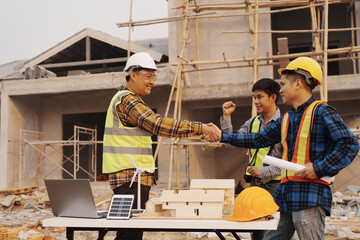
(128, 129)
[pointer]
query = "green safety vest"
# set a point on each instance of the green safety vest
(120, 141)
(256, 155)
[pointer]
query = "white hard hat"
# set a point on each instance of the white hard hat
(140, 60)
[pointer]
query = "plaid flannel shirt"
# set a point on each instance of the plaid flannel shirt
(132, 112)
(332, 147)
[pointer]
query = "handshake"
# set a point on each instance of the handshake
(211, 133)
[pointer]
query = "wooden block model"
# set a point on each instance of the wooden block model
(206, 198)
(228, 185)
(194, 203)
(154, 208)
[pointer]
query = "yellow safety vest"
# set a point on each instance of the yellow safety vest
(301, 153)
(120, 141)
(256, 155)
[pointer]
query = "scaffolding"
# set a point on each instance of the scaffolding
(34, 154)
(193, 11)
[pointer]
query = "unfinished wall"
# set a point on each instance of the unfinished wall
(22, 113)
(214, 43)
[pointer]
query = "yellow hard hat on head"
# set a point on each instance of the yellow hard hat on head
(252, 203)
(307, 64)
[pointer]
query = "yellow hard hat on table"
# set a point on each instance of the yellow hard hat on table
(253, 203)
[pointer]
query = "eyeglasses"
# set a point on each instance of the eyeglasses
(148, 76)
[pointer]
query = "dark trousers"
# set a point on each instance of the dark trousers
(124, 189)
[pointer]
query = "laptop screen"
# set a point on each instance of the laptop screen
(71, 198)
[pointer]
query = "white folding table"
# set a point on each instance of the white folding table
(162, 225)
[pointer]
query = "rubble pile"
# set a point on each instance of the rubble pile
(344, 222)
(21, 214)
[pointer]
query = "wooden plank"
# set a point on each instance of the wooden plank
(283, 49)
(19, 191)
(8, 201)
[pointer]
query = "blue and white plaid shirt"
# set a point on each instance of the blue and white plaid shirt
(332, 147)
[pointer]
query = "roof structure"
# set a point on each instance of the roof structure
(87, 49)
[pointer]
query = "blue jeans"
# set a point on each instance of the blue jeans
(309, 225)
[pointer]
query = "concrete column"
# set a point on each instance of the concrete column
(4, 140)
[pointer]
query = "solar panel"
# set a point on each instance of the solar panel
(120, 206)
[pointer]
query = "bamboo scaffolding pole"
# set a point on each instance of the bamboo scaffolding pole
(177, 115)
(262, 4)
(334, 51)
(179, 72)
(343, 59)
(318, 20)
(263, 64)
(130, 23)
(254, 24)
(326, 41)
(316, 38)
(322, 28)
(197, 43)
(178, 94)
(171, 162)
(353, 37)
(163, 20)
(178, 168)
(207, 15)
(213, 144)
(173, 88)
(299, 31)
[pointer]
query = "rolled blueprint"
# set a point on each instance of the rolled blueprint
(280, 163)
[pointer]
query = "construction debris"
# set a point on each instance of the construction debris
(22, 212)
(38, 72)
(344, 222)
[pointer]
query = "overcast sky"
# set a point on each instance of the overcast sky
(30, 27)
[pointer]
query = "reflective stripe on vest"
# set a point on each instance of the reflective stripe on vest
(257, 160)
(301, 153)
(120, 141)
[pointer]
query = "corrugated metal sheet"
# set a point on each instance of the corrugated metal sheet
(11, 70)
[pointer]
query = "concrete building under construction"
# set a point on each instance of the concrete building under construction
(53, 106)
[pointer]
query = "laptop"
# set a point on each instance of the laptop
(72, 198)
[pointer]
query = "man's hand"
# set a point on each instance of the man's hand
(308, 172)
(254, 171)
(211, 132)
(228, 108)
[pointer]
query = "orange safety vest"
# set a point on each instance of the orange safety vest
(301, 153)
